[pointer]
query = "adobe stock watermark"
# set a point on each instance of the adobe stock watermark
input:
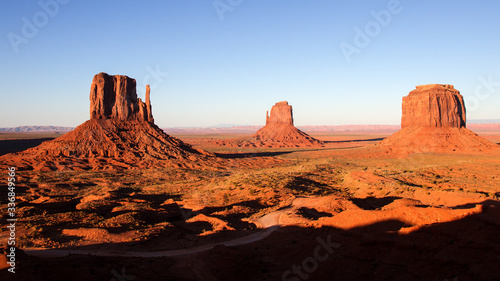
(11, 214)
(185, 213)
(154, 77)
(310, 264)
(363, 36)
(223, 6)
(31, 27)
(483, 91)
(121, 276)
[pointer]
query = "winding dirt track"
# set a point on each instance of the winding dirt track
(269, 223)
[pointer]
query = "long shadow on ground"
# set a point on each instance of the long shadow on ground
(465, 249)
(249, 155)
(372, 203)
(11, 146)
(276, 153)
(360, 140)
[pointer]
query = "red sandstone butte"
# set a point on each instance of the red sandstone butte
(281, 114)
(433, 120)
(116, 97)
(278, 132)
(433, 105)
(120, 134)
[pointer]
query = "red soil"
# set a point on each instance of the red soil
(425, 139)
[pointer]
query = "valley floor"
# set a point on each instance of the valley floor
(345, 211)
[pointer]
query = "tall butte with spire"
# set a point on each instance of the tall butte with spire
(279, 131)
(115, 97)
(281, 114)
(120, 134)
(433, 120)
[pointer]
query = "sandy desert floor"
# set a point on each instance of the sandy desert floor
(339, 212)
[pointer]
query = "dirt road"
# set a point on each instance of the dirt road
(269, 223)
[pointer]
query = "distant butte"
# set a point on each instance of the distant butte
(433, 120)
(433, 105)
(279, 131)
(120, 134)
(281, 114)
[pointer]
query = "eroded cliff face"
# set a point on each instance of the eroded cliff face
(281, 114)
(433, 105)
(278, 132)
(115, 97)
(120, 134)
(433, 120)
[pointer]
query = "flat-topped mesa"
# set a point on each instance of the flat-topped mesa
(115, 97)
(281, 113)
(433, 105)
(434, 121)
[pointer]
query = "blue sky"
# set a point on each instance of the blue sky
(228, 66)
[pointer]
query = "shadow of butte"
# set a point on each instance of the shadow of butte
(447, 250)
(18, 145)
(360, 140)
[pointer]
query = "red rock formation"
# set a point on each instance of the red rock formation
(433, 120)
(112, 144)
(149, 113)
(278, 132)
(281, 113)
(116, 97)
(120, 134)
(433, 105)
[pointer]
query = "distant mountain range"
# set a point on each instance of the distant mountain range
(307, 129)
(483, 121)
(29, 129)
(478, 124)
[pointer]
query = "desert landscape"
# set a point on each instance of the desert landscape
(250, 140)
(118, 197)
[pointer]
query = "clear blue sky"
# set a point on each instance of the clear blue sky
(230, 66)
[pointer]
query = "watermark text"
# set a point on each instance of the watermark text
(11, 214)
